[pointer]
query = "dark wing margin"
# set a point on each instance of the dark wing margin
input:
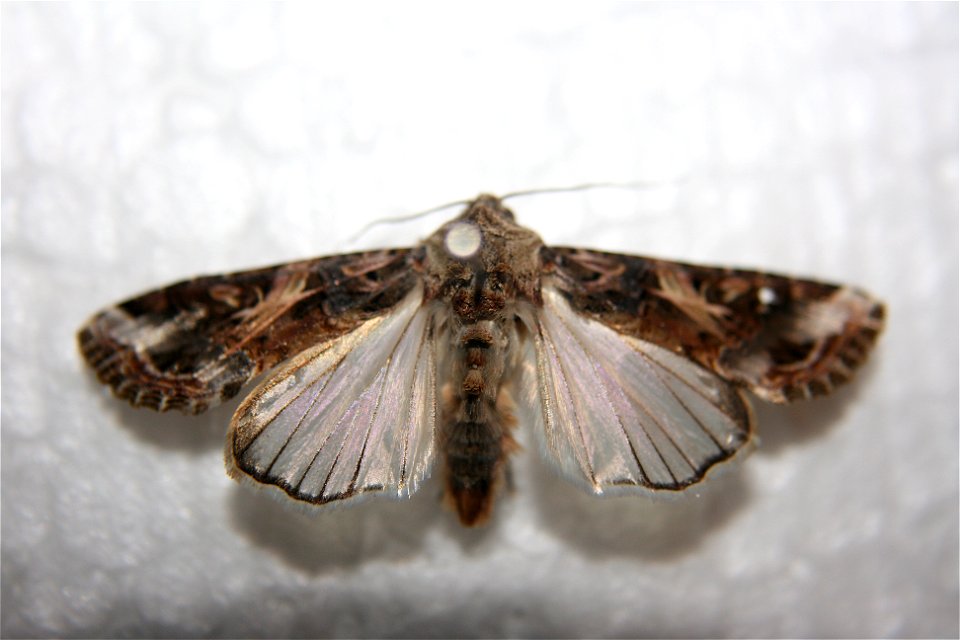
(193, 344)
(782, 338)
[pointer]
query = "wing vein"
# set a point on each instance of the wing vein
(327, 372)
(719, 405)
(681, 402)
(563, 380)
(379, 381)
(606, 394)
(391, 360)
(425, 342)
(642, 405)
(692, 387)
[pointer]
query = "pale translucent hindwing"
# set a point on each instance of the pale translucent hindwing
(351, 416)
(621, 413)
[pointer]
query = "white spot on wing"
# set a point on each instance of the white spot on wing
(830, 316)
(766, 295)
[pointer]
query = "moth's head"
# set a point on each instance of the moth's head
(483, 248)
(488, 208)
(486, 226)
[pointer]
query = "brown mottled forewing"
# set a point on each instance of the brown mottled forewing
(780, 337)
(195, 343)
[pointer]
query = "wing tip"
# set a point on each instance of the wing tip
(134, 379)
(842, 355)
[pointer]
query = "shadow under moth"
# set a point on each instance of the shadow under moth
(384, 364)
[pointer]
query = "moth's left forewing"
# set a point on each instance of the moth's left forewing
(783, 338)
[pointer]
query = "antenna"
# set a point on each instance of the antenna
(404, 218)
(515, 194)
(584, 187)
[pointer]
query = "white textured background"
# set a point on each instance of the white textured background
(143, 143)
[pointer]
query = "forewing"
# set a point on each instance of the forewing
(620, 413)
(193, 344)
(346, 417)
(781, 337)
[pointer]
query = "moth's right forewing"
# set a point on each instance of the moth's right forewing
(621, 414)
(347, 417)
(194, 344)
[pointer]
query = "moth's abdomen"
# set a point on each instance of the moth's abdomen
(475, 431)
(474, 455)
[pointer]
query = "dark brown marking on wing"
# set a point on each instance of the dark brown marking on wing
(783, 338)
(195, 343)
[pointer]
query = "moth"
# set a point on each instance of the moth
(385, 364)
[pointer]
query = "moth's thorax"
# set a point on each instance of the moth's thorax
(482, 261)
